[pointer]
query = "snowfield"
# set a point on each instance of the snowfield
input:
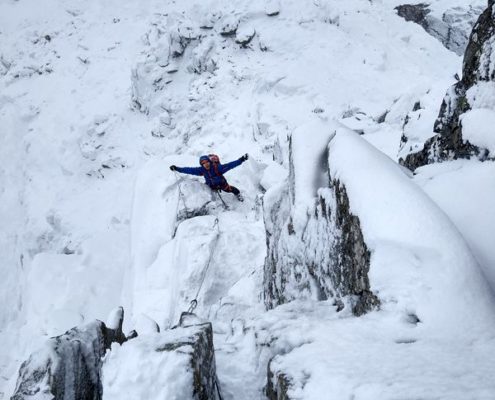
(97, 100)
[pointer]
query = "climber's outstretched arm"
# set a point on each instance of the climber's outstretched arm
(233, 164)
(188, 170)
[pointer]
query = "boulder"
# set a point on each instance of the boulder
(68, 367)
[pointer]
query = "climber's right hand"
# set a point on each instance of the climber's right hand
(173, 167)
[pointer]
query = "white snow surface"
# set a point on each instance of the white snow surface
(418, 256)
(92, 218)
(135, 369)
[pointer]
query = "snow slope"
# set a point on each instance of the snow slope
(92, 217)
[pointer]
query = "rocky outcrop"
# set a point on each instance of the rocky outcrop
(324, 256)
(202, 356)
(466, 95)
(69, 366)
(452, 30)
(179, 363)
(277, 385)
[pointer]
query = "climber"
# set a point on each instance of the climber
(212, 170)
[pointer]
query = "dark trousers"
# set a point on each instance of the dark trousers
(226, 188)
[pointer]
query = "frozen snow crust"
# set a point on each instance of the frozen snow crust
(98, 99)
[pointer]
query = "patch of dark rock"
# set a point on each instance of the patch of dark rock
(132, 334)
(412, 318)
(414, 12)
(244, 40)
(351, 257)
(382, 117)
(277, 386)
(405, 341)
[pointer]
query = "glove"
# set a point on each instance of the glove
(245, 157)
(173, 167)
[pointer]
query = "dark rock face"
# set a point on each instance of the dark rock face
(200, 348)
(414, 12)
(69, 366)
(326, 258)
(277, 386)
(452, 30)
(351, 257)
(448, 143)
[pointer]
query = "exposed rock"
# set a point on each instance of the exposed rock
(452, 30)
(272, 7)
(69, 365)
(449, 143)
(328, 258)
(202, 357)
(229, 25)
(244, 35)
(196, 199)
(277, 385)
(414, 12)
(202, 57)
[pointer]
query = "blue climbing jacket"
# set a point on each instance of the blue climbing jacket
(214, 176)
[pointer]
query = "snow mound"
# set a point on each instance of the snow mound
(420, 263)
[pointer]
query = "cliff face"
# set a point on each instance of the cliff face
(457, 135)
(317, 253)
(452, 28)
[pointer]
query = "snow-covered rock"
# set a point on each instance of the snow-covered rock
(472, 94)
(452, 29)
(177, 363)
(315, 245)
(69, 366)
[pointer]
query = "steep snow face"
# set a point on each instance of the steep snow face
(91, 213)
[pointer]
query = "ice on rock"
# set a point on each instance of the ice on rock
(202, 59)
(68, 366)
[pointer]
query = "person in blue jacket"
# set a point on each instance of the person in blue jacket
(213, 173)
